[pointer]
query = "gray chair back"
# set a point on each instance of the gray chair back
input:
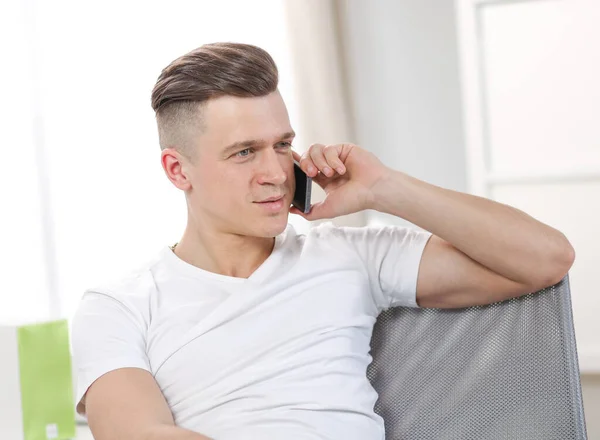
(507, 370)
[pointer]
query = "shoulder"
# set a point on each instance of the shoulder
(330, 231)
(128, 294)
(349, 240)
(368, 242)
(135, 282)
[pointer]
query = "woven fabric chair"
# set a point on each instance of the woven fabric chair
(507, 370)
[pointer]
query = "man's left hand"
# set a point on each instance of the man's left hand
(348, 175)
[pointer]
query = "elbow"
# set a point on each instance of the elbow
(559, 262)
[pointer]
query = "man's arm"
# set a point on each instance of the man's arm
(481, 251)
(127, 404)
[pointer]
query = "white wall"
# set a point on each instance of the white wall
(403, 78)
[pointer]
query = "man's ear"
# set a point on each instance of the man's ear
(176, 168)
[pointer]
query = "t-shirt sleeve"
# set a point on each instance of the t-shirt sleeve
(106, 335)
(392, 256)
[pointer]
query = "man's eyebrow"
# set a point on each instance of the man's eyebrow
(253, 142)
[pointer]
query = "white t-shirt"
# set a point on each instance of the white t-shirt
(282, 354)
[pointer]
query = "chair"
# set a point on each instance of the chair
(507, 370)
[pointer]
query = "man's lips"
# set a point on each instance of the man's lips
(270, 199)
(273, 204)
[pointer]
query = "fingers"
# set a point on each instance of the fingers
(307, 165)
(332, 155)
(317, 156)
(325, 159)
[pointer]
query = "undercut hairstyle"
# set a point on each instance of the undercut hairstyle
(208, 72)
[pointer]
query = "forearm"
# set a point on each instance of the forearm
(501, 238)
(167, 432)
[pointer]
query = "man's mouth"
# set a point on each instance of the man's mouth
(270, 199)
(272, 204)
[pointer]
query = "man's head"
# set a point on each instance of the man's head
(226, 138)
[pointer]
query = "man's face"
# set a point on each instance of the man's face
(244, 158)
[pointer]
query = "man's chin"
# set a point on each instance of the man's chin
(271, 226)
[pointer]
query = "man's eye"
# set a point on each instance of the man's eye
(284, 144)
(243, 153)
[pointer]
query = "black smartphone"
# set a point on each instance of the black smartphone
(303, 189)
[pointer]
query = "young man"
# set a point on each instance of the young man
(246, 329)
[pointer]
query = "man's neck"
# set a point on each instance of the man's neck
(225, 254)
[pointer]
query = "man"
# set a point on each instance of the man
(246, 329)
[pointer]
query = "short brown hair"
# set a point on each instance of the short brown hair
(208, 72)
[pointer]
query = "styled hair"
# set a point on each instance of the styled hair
(208, 72)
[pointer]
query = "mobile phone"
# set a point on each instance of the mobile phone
(303, 189)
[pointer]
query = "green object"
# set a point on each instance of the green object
(46, 381)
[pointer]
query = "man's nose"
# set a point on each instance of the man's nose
(271, 170)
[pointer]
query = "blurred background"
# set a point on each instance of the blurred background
(496, 98)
